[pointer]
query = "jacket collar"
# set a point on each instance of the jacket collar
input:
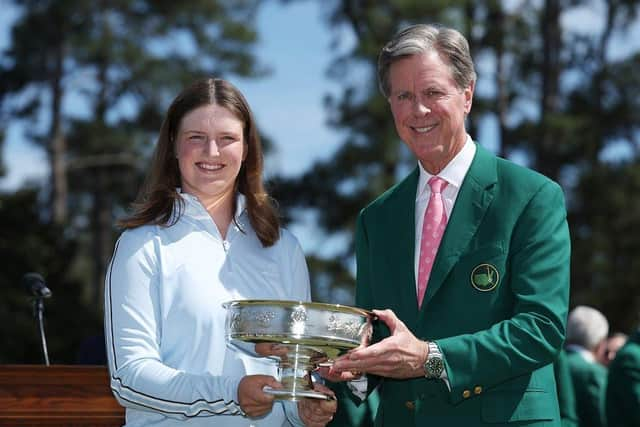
(475, 197)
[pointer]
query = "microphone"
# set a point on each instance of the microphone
(34, 285)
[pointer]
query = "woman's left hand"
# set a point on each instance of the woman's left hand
(271, 349)
(317, 412)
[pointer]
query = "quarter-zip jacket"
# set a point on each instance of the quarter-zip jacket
(165, 324)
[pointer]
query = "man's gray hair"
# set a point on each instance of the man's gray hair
(586, 327)
(452, 47)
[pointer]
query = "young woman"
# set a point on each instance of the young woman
(203, 231)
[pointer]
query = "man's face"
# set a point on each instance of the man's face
(429, 108)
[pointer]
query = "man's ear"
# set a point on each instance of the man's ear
(468, 97)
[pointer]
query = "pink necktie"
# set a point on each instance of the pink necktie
(435, 221)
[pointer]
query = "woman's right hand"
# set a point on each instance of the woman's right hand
(253, 401)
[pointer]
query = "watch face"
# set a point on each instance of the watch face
(434, 367)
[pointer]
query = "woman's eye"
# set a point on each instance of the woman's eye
(196, 138)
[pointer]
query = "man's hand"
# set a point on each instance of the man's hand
(253, 401)
(317, 412)
(400, 355)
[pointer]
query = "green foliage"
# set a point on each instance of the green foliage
(27, 243)
(558, 96)
(121, 62)
(605, 267)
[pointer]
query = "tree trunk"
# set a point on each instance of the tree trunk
(547, 160)
(58, 148)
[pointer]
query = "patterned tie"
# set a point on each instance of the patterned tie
(435, 221)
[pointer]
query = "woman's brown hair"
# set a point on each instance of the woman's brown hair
(159, 196)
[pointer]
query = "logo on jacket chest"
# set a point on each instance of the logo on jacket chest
(485, 277)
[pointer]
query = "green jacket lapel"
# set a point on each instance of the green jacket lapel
(473, 200)
(402, 255)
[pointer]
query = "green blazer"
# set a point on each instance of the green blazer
(566, 394)
(589, 383)
(496, 301)
(623, 386)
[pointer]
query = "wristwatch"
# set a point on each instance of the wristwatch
(434, 365)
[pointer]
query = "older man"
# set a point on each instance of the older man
(623, 386)
(587, 331)
(469, 254)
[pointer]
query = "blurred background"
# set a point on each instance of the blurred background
(84, 86)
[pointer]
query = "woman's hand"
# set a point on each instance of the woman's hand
(271, 349)
(253, 401)
(317, 412)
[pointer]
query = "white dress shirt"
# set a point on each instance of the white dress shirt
(169, 361)
(454, 174)
(583, 352)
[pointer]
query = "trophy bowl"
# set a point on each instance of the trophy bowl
(312, 333)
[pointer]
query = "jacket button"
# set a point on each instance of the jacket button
(466, 394)
(410, 405)
(477, 389)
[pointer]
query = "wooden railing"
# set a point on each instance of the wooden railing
(69, 396)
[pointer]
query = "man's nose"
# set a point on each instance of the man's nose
(420, 108)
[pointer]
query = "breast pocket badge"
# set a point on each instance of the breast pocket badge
(485, 277)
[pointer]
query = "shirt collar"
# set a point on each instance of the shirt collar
(195, 209)
(586, 354)
(454, 172)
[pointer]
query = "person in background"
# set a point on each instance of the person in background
(203, 232)
(614, 343)
(469, 254)
(623, 385)
(566, 393)
(587, 331)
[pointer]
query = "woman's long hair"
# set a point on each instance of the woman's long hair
(158, 197)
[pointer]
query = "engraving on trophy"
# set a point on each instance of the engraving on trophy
(264, 318)
(365, 332)
(236, 322)
(349, 328)
(299, 318)
(313, 334)
(299, 314)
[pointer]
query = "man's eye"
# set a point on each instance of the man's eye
(404, 97)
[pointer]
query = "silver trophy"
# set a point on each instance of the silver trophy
(313, 334)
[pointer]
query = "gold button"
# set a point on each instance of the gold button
(410, 405)
(477, 389)
(466, 394)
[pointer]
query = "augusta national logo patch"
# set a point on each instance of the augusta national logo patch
(485, 277)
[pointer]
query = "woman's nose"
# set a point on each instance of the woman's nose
(212, 148)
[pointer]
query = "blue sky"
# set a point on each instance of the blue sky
(295, 45)
(287, 103)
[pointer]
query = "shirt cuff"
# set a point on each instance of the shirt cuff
(359, 387)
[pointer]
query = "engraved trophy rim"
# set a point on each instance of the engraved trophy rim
(313, 333)
(338, 308)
